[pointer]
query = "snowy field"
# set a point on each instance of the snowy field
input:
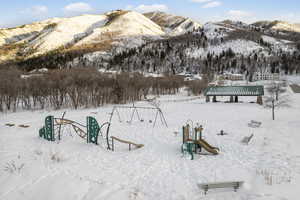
(72, 169)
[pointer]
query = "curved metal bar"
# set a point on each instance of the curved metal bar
(60, 125)
(77, 129)
(67, 121)
(101, 133)
(107, 138)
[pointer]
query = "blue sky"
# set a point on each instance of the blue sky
(17, 12)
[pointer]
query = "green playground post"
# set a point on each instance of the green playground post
(92, 130)
(49, 128)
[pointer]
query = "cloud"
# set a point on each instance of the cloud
(208, 3)
(36, 10)
(201, 1)
(79, 7)
(148, 8)
(212, 4)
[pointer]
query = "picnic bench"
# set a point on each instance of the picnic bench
(234, 184)
(254, 124)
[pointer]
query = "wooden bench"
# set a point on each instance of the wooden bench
(235, 185)
(125, 142)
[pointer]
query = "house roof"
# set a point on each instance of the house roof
(234, 91)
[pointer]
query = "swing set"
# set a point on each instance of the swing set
(135, 112)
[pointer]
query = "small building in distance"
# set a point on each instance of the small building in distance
(258, 76)
(234, 92)
(232, 77)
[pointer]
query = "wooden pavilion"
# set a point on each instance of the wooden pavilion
(234, 92)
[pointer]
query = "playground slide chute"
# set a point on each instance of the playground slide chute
(206, 146)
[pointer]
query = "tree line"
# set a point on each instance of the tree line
(82, 88)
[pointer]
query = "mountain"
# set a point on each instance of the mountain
(278, 25)
(75, 33)
(153, 42)
(172, 24)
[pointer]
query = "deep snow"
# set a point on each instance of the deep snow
(72, 169)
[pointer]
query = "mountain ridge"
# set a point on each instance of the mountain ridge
(122, 40)
(173, 24)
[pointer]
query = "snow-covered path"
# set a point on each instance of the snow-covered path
(72, 169)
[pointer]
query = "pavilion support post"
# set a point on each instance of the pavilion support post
(236, 100)
(259, 100)
(214, 99)
(231, 99)
(207, 99)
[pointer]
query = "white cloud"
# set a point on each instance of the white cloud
(148, 8)
(239, 13)
(212, 4)
(36, 10)
(79, 7)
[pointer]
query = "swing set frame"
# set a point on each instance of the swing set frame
(135, 110)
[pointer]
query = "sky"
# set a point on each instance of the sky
(18, 12)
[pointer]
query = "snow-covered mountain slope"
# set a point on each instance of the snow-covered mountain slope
(242, 47)
(213, 30)
(240, 38)
(278, 25)
(117, 38)
(124, 24)
(88, 29)
(11, 35)
(172, 24)
(63, 33)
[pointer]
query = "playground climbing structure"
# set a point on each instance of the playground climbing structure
(90, 132)
(193, 142)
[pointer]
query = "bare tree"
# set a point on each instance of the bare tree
(277, 89)
(276, 99)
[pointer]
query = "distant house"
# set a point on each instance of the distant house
(232, 77)
(258, 76)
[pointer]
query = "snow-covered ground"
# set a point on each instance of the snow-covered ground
(72, 169)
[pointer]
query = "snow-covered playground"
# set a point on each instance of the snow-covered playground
(69, 169)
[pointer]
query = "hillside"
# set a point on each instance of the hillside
(63, 33)
(278, 25)
(172, 24)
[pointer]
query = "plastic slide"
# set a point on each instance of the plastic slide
(207, 147)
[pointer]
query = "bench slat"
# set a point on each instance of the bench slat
(235, 185)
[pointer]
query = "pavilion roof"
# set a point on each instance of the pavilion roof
(257, 90)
